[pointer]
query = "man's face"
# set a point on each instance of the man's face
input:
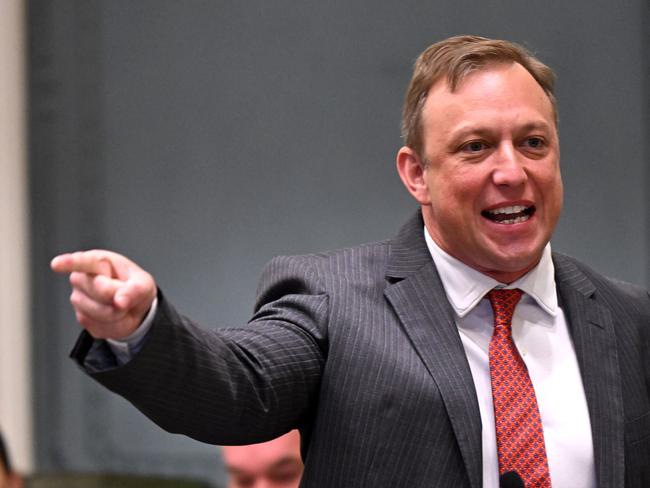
(273, 464)
(493, 191)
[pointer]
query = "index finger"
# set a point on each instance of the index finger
(93, 262)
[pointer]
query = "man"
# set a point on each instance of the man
(8, 477)
(272, 464)
(461, 353)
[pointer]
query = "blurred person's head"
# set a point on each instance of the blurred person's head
(273, 464)
(8, 477)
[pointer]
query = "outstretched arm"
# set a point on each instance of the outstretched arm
(225, 386)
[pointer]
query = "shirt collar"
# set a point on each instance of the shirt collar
(465, 286)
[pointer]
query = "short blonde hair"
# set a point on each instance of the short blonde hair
(455, 58)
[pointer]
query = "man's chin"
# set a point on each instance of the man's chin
(509, 267)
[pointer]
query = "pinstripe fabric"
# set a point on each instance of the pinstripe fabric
(610, 326)
(359, 349)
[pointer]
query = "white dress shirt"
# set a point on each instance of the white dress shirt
(125, 348)
(539, 330)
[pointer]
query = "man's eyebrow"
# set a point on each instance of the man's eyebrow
(461, 134)
(472, 129)
(537, 125)
(285, 461)
(485, 130)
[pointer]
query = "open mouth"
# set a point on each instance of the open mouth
(509, 215)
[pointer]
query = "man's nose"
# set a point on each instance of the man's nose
(509, 169)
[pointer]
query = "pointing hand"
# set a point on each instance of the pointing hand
(110, 293)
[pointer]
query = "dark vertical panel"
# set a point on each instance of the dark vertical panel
(66, 176)
(69, 195)
(645, 61)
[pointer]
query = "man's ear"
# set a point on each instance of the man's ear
(411, 170)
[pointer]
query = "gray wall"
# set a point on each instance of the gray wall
(202, 138)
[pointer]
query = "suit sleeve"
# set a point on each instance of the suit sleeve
(228, 386)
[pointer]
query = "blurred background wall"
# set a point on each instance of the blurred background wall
(201, 138)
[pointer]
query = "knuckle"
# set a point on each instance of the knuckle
(76, 279)
(102, 287)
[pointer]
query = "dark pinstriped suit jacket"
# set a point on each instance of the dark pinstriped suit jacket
(359, 349)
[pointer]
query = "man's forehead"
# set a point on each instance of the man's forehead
(453, 84)
(283, 446)
(503, 86)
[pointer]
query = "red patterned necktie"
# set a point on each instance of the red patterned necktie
(520, 438)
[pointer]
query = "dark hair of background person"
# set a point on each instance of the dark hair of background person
(4, 456)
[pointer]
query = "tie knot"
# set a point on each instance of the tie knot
(503, 304)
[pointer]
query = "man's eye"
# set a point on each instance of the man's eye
(474, 146)
(535, 142)
(243, 481)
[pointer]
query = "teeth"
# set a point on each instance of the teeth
(523, 218)
(508, 210)
(512, 214)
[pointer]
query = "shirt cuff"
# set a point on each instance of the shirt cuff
(124, 349)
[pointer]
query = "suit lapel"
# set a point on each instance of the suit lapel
(417, 295)
(418, 298)
(592, 329)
